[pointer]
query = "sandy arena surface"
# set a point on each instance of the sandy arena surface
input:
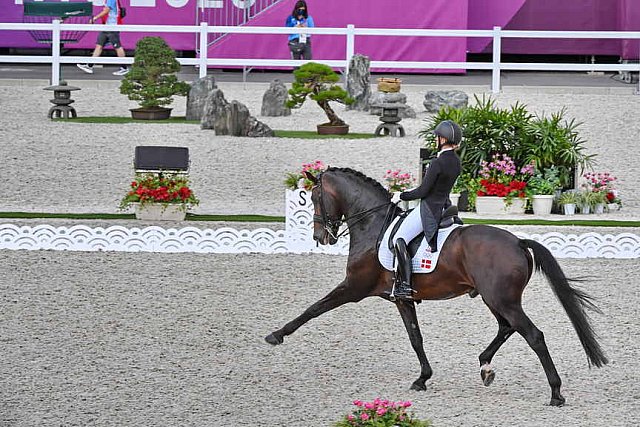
(140, 339)
(85, 341)
(87, 167)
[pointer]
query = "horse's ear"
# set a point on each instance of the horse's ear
(311, 177)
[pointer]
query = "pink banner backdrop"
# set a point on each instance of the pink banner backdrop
(452, 14)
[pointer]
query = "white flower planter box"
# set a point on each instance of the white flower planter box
(160, 212)
(493, 205)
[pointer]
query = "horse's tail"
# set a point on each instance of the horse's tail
(573, 300)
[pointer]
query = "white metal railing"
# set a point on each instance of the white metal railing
(350, 33)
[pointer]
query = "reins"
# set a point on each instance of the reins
(329, 223)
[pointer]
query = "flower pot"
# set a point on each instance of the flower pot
(454, 197)
(542, 204)
(326, 129)
(585, 209)
(569, 209)
(611, 207)
(153, 113)
(492, 205)
(160, 212)
(389, 85)
(599, 208)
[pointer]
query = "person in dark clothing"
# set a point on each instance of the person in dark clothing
(434, 190)
(300, 44)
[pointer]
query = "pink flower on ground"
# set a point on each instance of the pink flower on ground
(364, 416)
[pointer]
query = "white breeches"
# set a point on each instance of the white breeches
(410, 228)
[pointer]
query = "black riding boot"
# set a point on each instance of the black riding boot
(403, 287)
(433, 243)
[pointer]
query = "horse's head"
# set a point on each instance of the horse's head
(327, 214)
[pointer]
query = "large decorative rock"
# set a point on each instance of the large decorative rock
(273, 100)
(197, 97)
(391, 98)
(434, 100)
(231, 118)
(214, 107)
(359, 82)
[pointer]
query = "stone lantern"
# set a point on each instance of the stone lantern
(62, 101)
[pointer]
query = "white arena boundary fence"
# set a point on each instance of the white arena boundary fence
(350, 33)
(295, 238)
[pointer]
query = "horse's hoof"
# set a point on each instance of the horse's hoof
(273, 340)
(557, 401)
(418, 386)
(488, 375)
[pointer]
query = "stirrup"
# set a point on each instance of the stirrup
(402, 290)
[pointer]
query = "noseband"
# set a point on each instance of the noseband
(329, 224)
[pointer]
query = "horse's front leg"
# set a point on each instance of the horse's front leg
(408, 312)
(337, 297)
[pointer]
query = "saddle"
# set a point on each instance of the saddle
(449, 217)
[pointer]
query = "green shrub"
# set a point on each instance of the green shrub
(526, 138)
(152, 81)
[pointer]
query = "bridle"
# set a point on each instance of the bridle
(329, 224)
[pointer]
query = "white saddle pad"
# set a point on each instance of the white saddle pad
(424, 261)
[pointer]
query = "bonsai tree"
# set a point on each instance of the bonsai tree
(317, 81)
(152, 81)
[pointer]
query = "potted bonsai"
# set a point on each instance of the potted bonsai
(152, 81)
(317, 81)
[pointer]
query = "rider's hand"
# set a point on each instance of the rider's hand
(403, 196)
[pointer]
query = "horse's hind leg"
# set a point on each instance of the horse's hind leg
(504, 332)
(408, 313)
(535, 338)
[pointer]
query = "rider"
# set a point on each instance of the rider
(438, 180)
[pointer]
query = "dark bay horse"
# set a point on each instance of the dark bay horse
(480, 259)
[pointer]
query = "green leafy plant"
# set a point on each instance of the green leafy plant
(569, 198)
(297, 180)
(554, 141)
(526, 138)
(317, 81)
(544, 183)
(381, 413)
(152, 81)
(160, 188)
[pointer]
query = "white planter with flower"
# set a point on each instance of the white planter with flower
(493, 205)
(501, 186)
(542, 204)
(160, 212)
(160, 196)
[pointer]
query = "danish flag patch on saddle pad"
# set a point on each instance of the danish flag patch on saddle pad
(423, 261)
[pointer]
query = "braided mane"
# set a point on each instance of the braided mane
(364, 179)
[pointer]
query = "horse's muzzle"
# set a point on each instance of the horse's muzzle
(324, 237)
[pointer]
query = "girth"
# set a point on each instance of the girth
(449, 217)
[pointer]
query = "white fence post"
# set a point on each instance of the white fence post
(203, 49)
(351, 45)
(495, 69)
(55, 53)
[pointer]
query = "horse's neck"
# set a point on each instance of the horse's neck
(367, 221)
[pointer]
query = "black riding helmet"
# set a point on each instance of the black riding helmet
(450, 131)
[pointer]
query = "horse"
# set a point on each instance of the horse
(499, 276)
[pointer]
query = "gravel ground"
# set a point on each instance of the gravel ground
(86, 342)
(70, 167)
(180, 342)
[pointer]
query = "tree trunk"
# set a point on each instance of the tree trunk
(334, 120)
